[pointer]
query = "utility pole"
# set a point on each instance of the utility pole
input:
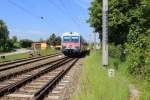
(105, 33)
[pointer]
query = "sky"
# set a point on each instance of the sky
(38, 19)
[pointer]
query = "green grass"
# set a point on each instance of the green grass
(26, 55)
(47, 51)
(142, 85)
(95, 83)
(144, 88)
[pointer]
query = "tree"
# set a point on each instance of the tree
(52, 39)
(14, 39)
(15, 42)
(124, 15)
(26, 43)
(58, 40)
(129, 25)
(4, 35)
(9, 45)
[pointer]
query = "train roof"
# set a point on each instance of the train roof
(71, 34)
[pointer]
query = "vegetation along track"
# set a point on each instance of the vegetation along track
(36, 84)
(17, 63)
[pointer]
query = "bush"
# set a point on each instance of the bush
(114, 51)
(116, 64)
(25, 43)
(138, 58)
(8, 46)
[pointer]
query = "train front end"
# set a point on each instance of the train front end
(70, 44)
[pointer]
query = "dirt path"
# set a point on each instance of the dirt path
(18, 51)
(134, 93)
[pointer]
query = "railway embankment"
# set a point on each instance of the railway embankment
(95, 83)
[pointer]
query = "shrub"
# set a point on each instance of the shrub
(25, 43)
(138, 57)
(114, 51)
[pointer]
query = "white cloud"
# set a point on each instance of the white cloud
(27, 31)
(29, 34)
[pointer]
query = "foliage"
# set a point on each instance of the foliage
(16, 43)
(123, 15)
(58, 40)
(26, 43)
(129, 25)
(114, 51)
(14, 39)
(54, 40)
(4, 35)
(138, 43)
(139, 57)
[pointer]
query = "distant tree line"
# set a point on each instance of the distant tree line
(129, 31)
(8, 44)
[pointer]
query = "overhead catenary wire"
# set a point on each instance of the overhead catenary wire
(27, 11)
(56, 6)
(69, 14)
(63, 10)
(23, 9)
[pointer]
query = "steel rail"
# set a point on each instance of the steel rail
(23, 59)
(26, 70)
(27, 62)
(12, 87)
(39, 95)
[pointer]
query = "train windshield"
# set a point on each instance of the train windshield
(75, 39)
(66, 39)
(71, 39)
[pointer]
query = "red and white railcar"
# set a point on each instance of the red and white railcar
(72, 43)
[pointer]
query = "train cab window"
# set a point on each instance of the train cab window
(66, 39)
(75, 38)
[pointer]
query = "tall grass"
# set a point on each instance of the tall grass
(95, 83)
(142, 85)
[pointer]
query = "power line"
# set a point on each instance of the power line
(27, 11)
(23, 9)
(80, 3)
(57, 6)
(69, 14)
(63, 10)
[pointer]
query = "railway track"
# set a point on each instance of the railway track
(23, 59)
(37, 83)
(17, 63)
(12, 73)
